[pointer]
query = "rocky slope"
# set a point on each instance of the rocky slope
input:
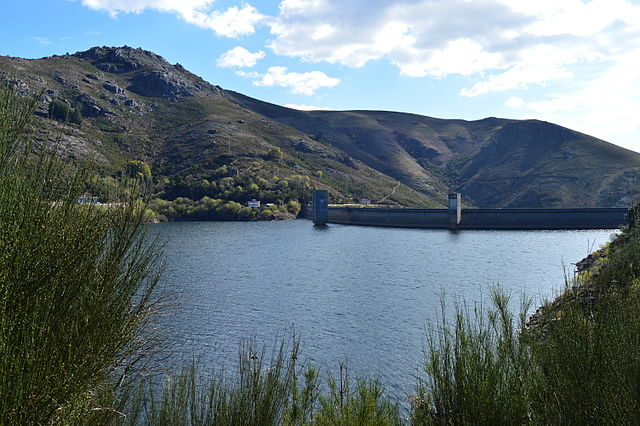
(138, 106)
(135, 105)
(493, 162)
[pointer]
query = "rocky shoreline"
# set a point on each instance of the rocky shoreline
(580, 288)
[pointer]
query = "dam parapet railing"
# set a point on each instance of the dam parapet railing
(456, 217)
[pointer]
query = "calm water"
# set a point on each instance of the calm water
(362, 295)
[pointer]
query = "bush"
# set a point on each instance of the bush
(275, 154)
(267, 390)
(75, 286)
(293, 207)
(59, 110)
(479, 368)
(578, 363)
(75, 116)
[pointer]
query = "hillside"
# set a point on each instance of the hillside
(135, 105)
(493, 162)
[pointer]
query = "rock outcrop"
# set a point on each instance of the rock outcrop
(153, 75)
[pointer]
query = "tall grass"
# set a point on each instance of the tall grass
(580, 364)
(267, 390)
(75, 285)
(480, 369)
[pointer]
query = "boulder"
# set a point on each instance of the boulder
(113, 88)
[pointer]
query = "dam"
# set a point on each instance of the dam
(455, 217)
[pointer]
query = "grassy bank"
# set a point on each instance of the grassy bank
(577, 363)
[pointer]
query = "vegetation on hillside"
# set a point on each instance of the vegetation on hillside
(221, 197)
(58, 110)
(182, 127)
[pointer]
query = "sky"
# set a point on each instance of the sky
(571, 62)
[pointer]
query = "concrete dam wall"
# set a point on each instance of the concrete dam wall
(457, 218)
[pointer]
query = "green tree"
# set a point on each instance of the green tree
(293, 207)
(138, 169)
(75, 116)
(58, 110)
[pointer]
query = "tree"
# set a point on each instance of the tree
(75, 116)
(58, 110)
(293, 207)
(138, 169)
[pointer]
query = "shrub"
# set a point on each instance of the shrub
(75, 116)
(268, 390)
(579, 363)
(275, 154)
(58, 110)
(75, 286)
(138, 169)
(293, 207)
(479, 369)
(229, 210)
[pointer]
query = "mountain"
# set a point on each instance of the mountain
(493, 162)
(135, 105)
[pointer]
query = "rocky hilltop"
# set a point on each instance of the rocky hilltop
(135, 105)
(152, 75)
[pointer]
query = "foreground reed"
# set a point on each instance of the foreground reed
(75, 285)
(267, 390)
(579, 363)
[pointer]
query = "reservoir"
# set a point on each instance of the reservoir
(355, 294)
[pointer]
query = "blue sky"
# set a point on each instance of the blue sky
(571, 62)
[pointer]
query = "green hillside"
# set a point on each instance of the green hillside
(137, 106)
(201, 140)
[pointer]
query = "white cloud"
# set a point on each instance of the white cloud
(515, 102)
(575, 17)
(420, 37)
(307, 107)
(463, 56)
(322, 31)
(138, 6)
(248, 74)
(233, 22)
(41, 40)
(299, 83)
(606, 106)
(239, 57)
(507, 44)
(518, 76)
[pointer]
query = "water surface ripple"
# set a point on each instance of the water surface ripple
(363, 295)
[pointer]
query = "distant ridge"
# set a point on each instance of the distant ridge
(136, 105)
